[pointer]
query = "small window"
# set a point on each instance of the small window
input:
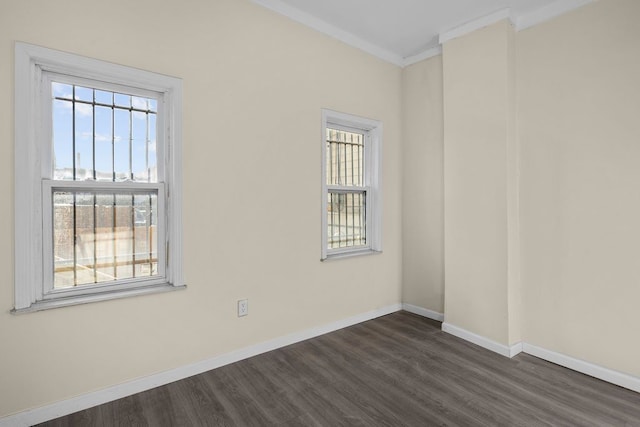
(99, 208)
(350, 185)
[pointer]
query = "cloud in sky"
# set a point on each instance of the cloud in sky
(84, 110)
(139, 103)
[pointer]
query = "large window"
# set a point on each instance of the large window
(97, 180)
(351, 190)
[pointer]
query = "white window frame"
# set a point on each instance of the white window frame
(34, 68)
(372, 130)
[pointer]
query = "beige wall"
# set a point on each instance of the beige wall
(571, 205)
(254, 83)
(579, 126)
(423, 190)
(576, 158)
(478, 134)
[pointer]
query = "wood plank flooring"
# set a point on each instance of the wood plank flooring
(397, 370)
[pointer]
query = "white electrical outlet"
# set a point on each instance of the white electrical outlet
(243, 307)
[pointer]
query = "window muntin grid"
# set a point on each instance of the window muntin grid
(346, 219)
(103, 135)
(107, 137)
(347, 194)
(345, 158)
(101, 237)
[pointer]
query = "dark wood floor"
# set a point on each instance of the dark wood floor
(398, 370)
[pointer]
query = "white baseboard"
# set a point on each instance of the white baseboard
(605, 374)
(85, 401)
(496, 347)
(602, 373)
(424, 312)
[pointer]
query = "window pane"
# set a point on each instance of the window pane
(103, 97)
(105, 241)
(83, 141)
(62, 90)
(62, 139)
(63, 241)
(153, 164)
(115, 237)
(104, 143)
(153, 235)
(85, 238)
(139, 134)
(122, 100)
(122, 131)
(345, 158)
(124, 236)
(83, 94)
(346, 219)
(139, 103)
(144, 232)
(109, 138)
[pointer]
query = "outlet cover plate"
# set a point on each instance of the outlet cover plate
(243, 307)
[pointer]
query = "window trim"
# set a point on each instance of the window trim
(373, 168)
(31, 166)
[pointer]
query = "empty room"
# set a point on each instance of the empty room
(320, 213)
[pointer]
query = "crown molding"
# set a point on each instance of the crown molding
(304, 18)
(474, 25)
(547, 13)
(426, 54)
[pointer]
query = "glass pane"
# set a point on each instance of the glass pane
(122, 100)
(105, 241)
(83, 141)
(124, 236)
(62, 139)
(142, 225)
(115, 237)
(153, 164)
(346, 220)
(103, 97)
(122, 130)
(345, 158)
(139, 103)
(63, 242)
(153, 235)
(84, 94)
(104, 143)
(139, 128)
(62, 90)
(85, 238)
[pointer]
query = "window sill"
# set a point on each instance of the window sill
(350, 254)
(105, 296)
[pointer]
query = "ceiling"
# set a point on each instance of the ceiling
(404, 31)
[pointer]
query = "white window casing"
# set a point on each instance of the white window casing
(370, 188)
(35, 67)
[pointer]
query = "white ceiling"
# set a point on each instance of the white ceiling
(402, 31)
